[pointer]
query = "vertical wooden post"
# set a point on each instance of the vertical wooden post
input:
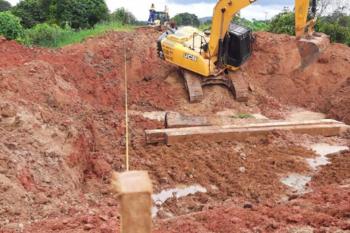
(134, 189)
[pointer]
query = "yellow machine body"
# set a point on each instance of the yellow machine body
(208, 57)
(178, 49)
(184, 46)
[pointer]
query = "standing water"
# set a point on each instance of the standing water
(323, 149)
(164, 195)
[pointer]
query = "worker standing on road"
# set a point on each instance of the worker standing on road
(152, 14)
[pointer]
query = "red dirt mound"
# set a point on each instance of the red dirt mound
(339, 103)
(62, 130)
(322, 86)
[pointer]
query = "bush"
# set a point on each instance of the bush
(30, 12)
(283, 23)
(77, 13)
(186, 19)
(80, 13)
(123, 16)
(44, 35)
(4, 5)
(10, 26)
(337, 32)
(255, 25)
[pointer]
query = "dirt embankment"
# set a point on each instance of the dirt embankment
(62, 130)
(322, 86)
(62, 122)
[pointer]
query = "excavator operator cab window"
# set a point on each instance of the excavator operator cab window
(237, 45)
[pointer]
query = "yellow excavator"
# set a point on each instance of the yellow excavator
(206, 58)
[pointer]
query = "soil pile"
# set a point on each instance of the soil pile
(62, 122)
(322, 86)
(62, 130)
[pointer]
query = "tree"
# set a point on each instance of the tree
(4, 5)
(76, 13)
(10, 26)
(30, 12)
(283, 23)
(325, 7)
(122, 15)
(186, 19)
(81, 13)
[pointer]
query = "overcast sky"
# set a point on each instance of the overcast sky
(260, 10)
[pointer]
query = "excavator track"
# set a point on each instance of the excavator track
(194, 84)
(240, 88)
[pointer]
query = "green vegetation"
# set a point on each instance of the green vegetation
(54, 36)
(10, 26)
(4, 5)
(123, 16)
(283, 23)
(336, 25)
(77, 13)
(186, 19)
(56, 23)
(243, 116)
(205, 26)
(30, 12)
(255, 25)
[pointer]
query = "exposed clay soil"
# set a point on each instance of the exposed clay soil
(322, 86)
(62, 133)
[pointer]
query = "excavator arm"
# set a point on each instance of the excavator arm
(301, 14)
(310, 43)
(223, 13)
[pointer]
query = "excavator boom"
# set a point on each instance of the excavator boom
(223, 13)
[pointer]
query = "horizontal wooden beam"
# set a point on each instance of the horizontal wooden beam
(242, 132)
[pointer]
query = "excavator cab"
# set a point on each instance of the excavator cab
(310, 43)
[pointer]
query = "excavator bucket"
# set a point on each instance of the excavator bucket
(311, 47)
(310, 43)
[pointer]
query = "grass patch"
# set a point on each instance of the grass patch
(55, 37)
(243, 116)
(73, 37)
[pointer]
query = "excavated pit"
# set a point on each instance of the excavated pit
(62, 132)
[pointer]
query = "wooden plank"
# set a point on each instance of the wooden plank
(218, 135)
(134, 190)
(319, 126)
(177, 120)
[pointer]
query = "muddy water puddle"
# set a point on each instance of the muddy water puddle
(154, 115)
(298, 182)
(322, 150)
(182, 191)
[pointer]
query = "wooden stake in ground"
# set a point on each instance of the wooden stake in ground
(134, 189)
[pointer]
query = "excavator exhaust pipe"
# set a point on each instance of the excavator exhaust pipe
(311, 47)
